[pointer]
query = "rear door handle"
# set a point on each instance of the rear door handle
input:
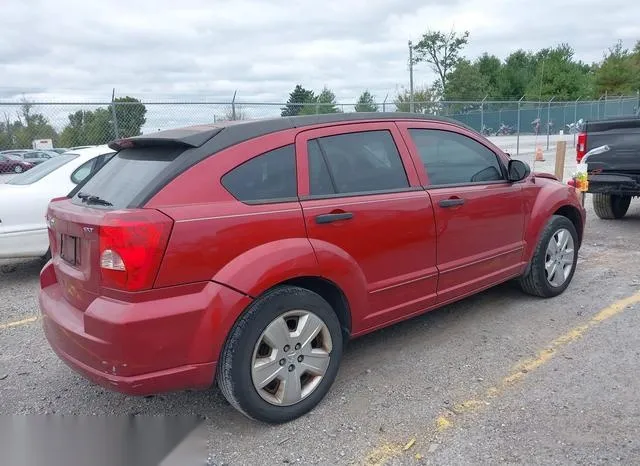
(450, 202)
(328, 218)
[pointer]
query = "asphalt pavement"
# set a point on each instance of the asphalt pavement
(497, 378)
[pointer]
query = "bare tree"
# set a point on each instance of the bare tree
(230, 113)
(441, 51)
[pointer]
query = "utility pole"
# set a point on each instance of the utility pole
(233, 105)
(482, 114)
(518, 136)
(411, 106)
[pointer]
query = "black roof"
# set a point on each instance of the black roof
(202, 141)
(234, 132)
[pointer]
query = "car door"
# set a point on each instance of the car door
(479, 214)
(362, 198)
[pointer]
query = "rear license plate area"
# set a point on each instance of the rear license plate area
(69, 249)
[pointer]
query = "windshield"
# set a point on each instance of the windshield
(42, 170)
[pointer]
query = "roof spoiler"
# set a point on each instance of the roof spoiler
(192, 136)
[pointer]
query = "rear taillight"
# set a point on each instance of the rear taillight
(581, 146)
(132, 244)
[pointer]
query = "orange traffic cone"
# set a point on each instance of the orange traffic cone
(539, 154)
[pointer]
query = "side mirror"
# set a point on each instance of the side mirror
(518, 170)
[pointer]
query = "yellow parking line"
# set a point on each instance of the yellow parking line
(17, 323)
(446, 420)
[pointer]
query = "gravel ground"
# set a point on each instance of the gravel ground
(577, 407)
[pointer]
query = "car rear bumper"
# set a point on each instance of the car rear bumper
(612, 183)
(137, 348)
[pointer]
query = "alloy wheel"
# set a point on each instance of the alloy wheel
(559, 257)
(291, 357)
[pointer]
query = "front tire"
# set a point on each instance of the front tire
(554, 260)
(282, 355)
(17, 169)
(610, 206)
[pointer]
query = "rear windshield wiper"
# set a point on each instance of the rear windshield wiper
(91, 199)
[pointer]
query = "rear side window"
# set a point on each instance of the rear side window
(267, 177)
(353, 163)
(83, 171)
(452, 158)
(127, 174)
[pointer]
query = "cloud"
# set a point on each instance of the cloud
(195, 49)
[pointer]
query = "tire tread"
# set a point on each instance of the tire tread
(604, 208)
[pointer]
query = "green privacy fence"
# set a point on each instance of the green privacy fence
(522, 116)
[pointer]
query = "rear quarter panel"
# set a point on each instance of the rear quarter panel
(216, 237)
(250, 248)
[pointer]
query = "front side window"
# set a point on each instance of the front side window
(352, 163)
(452, 158)
(268, 177)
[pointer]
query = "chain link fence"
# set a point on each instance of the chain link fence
(80, 124)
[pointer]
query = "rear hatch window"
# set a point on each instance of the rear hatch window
(119, 182)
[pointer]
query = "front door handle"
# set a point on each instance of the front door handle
(328, 218)
(445, 203)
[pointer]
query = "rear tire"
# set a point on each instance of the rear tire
(47, 255)
(537, 280)
(610, 206)
(254, 341)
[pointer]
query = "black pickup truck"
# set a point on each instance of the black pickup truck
(613, 165)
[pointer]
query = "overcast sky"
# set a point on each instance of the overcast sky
(205, 49)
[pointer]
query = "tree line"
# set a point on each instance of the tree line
(125, 115)
(551, 72)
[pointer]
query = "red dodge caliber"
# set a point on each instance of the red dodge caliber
(247, 254)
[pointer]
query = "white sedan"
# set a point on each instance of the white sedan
(25, 197)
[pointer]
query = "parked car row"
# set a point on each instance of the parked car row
(18, 161)
(13, 163)
(21, 160)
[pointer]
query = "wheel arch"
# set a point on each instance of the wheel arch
(331, 293)
(551, 201)
(573, 214)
